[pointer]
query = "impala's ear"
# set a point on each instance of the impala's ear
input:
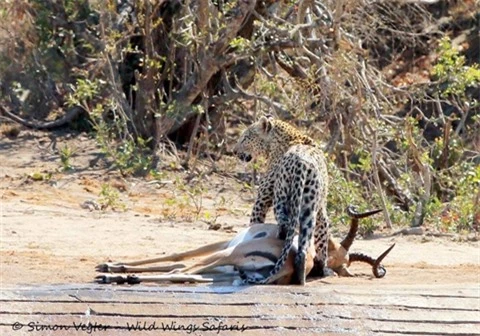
(265, 123)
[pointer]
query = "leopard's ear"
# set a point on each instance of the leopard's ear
(266, 123)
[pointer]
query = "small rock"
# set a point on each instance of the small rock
(426, 239)
(417, 231)
(472, 237)
(215, 227)
(90, 205)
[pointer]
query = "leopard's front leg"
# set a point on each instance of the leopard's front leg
(263, 202)
(282, 213)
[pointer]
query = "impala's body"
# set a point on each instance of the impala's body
(253, 251)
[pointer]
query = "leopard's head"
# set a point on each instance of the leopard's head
(268, 136)
(254, 141)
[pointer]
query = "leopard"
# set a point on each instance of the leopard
(295, 185)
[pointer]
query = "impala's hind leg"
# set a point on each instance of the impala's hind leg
(121, 268)
(220, 258)
(124, 267)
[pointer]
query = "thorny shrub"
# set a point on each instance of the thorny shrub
(399, 132)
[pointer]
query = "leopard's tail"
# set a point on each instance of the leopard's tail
(295, 205)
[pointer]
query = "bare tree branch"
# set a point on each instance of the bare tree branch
(210, 60)
(377, 181)
(71, 114)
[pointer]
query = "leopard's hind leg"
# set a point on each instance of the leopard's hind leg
(320, 268)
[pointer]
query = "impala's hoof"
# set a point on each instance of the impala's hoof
(110, 268)
(117, 279)
(106, 279)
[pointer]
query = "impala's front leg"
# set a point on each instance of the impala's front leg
(174, 278)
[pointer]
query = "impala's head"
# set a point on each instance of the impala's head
(268, 136)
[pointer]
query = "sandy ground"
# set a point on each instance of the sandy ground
(47, 237)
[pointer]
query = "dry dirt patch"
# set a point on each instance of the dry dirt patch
(47, 237)
(50, 246)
